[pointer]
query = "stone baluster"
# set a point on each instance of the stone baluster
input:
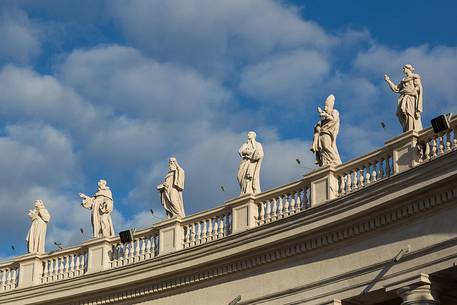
(192, 234)
(280, 207)
(368, 174)
(374, 171)
(153, 246)
(434, 147)
(382, 173)
(305, 198)
(286, 204)
(143, 247)
(216, 227)
(204, 231)
(454, 141)
(448, 140)
(342, 188)
(388, 166)
(441, 146)
(292, 203)
(77, 264)
(199, 233)
(221, 227)
(8, 277)
(349, 182)
(299, 201)
(210, 229)
(148, 248)
(268, 211)
(361, 182)
(261, 213)
(274, 215)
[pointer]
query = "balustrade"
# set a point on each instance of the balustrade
(431, 145)
(207, 227)
(63, 265)
(9, 277)
(144, 246)
(283, 202)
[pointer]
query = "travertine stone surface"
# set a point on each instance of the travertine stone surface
(171, 190)
(325, 133)
(419, 294)
(101, 205)
(409, 106)
(37, 233)
(251, 154)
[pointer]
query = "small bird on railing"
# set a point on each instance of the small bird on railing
(13, 248)
(222, 188)
(383, 125)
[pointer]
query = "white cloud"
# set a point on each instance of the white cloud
(121, 78)
(25, 94)
(20, 37)
(218, 38)
(290, 77)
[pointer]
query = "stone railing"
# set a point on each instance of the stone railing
(206, 226)
(363, 171)
(64, 264)
(283, 201)
(431, 145)
(237, 215)
(144, 246)
(9, 274)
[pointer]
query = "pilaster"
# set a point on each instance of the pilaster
(99, 252)
(171, 235)
(30, 270)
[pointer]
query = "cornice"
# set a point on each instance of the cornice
(357, 214)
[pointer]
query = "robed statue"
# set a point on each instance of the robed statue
(325, 133)
(171, 190)
(37, 233)
(409, 104)
(251, 154)
(101, 205)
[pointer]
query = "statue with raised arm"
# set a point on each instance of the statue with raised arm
(171, 190)
(101, 205)
(37, 233)
(409, 105)
(325, 133)
(251, 154)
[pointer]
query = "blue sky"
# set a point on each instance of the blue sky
(112, 89)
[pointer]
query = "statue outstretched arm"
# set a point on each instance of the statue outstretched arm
(392, 86)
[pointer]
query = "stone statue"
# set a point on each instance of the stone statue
(409, 105)
(325, 133)
(101, 205)
(37, 233)
(171, 190)
(251, 154)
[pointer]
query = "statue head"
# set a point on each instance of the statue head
(408, 69)
(172, 164)
(39, 204)
(102, 184)
(252, 135)
(329, 103)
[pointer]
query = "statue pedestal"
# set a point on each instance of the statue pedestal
(405, 155)
(170, 235)
(324, 185)
(99, 253)
(30, 270)
(244, 211)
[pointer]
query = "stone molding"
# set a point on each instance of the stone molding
(348, 231)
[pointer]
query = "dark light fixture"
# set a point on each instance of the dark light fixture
(441, 123)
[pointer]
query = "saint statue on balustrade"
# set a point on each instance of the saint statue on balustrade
(171, 190)
(409, 103)
(325, 133)
(37, 233)
(251, 154)
(101, 205)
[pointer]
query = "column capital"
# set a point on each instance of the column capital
(418, 292)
